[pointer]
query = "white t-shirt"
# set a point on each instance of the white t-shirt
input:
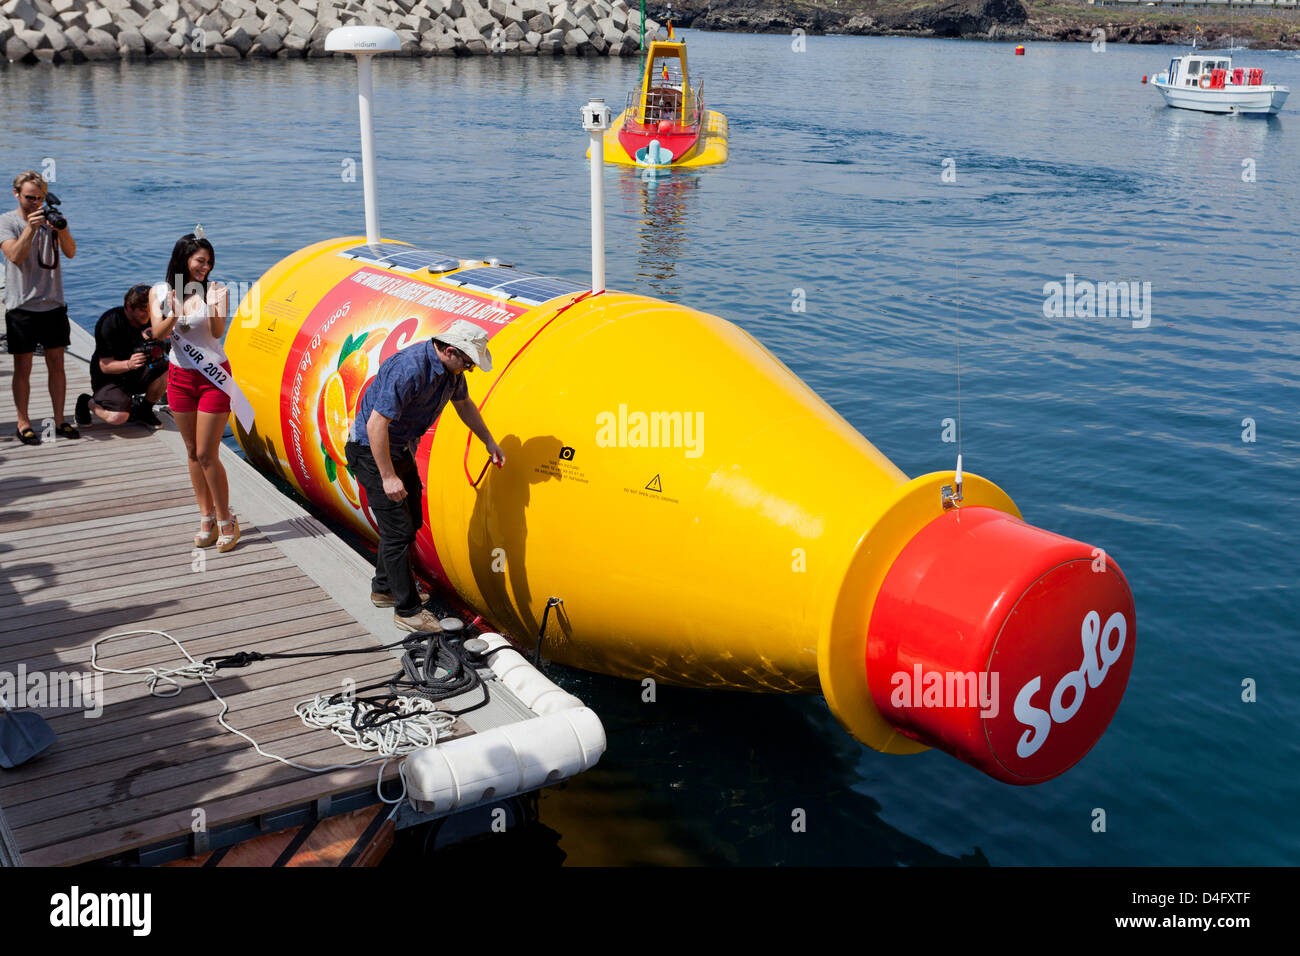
(195, 311)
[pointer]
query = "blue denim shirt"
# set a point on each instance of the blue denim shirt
(411, 389)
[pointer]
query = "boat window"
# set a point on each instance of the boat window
(1193, 67)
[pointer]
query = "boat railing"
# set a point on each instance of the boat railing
(664, 103)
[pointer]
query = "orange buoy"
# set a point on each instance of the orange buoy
(1020, 50)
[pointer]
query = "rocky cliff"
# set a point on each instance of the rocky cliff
(1015, 20)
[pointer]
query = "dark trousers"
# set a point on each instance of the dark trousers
(398, 522)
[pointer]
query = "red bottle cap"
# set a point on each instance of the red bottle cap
(1003, 644)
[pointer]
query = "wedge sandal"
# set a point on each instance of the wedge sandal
(226, 540)
(206, 536)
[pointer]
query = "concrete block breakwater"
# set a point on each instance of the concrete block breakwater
(77, 31)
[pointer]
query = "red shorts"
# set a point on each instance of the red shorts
(189, 391)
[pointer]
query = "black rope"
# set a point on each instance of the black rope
(419, 677)
(244, 658)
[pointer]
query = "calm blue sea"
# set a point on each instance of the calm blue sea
(1129, 438)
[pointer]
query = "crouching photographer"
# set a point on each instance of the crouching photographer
(128, 370)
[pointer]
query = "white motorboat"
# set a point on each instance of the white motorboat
(1206, 80)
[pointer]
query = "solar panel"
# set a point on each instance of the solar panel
(506, 282)
(511, 283)
(488, 278)
(412, 260)
(406, 258)
(369, 253)
(540, 289)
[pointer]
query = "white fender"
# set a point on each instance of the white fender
(504, 761)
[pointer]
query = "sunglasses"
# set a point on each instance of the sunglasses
(464, 359)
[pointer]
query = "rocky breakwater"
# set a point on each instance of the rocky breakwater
(75, 31)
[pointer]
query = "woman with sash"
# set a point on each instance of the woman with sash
(193, 310)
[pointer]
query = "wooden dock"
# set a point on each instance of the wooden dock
(96, 538)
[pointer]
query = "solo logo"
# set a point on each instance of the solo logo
(1098, 656)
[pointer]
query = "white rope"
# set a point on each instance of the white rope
(195, 670)
(419, 728)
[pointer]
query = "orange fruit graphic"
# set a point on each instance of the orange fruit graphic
(348, 487)
(332, 419)
(352, 373)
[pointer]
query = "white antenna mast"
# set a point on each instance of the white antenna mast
(951, 494)
(363, 43)
(595, 120)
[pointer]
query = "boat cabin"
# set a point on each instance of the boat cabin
(666, 95)
(1207, 70)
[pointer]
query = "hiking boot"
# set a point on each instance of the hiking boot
(385, 598)
(423, 620)
(82, 413)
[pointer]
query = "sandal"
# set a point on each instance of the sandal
(65, 430)
(227, 539)
(28, 437)
(207, 533)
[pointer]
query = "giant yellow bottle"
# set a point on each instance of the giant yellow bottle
(704, 516)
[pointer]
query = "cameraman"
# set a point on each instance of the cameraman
(128, 362)
(37, 314)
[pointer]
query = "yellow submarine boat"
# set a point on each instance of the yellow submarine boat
(705, 518)
(665, 122)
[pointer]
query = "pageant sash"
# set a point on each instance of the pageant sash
(192, 357)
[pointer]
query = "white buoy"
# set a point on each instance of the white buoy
(363, 43)
(595, 120)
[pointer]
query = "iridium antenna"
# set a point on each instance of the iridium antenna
(363, 43)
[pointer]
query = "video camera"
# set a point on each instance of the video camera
(51, 212)
(154, 352)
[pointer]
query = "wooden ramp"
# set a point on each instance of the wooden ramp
(96, 538)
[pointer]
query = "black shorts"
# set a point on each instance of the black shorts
(116, 394)
(24, 330)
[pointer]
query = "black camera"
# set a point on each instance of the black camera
(51, 212)
(154, 352)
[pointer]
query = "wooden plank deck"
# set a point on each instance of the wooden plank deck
(95, 538)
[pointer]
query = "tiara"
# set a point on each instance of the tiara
(198, 231)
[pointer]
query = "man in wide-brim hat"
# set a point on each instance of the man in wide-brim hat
(406, 397)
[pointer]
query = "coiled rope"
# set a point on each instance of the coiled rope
(391, 729)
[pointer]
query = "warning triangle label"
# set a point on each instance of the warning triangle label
(654, 484)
